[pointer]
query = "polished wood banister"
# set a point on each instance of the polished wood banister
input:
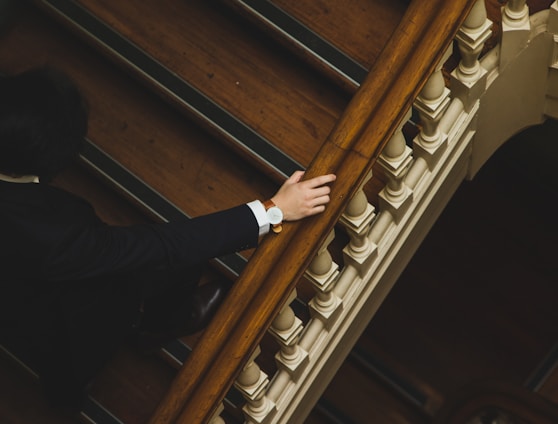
(350, 151)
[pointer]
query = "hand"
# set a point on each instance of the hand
(300, 199)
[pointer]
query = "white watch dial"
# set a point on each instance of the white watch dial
(275, 215)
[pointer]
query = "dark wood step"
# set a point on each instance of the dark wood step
(341, 38)
(179, 161)
(231, 66)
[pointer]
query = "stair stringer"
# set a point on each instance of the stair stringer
(520, 95)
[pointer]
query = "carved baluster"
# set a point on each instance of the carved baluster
(286, 328)
(516, 29)
(431, 104)
(216, 419)
(469, 78)
(515, 12)
(357, 219)
(323, 273)
(252, 383)
(395, 160)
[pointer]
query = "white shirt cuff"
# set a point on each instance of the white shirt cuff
(261, 216)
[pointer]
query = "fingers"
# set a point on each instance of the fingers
(320, 180)
(298, 199)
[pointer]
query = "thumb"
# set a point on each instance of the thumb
(296, 177)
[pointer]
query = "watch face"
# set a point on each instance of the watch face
(274, 215)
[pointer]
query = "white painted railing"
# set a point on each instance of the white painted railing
(488, 100)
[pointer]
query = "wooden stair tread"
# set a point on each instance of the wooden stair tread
(132, 385)
(136, 128)
(109, 206)
(360, 29)
(222, 57)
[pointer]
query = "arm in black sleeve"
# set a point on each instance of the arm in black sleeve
(102, 249)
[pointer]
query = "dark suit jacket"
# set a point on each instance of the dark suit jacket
(49, 234)
(52, 243)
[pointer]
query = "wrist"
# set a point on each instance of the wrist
(274, 215)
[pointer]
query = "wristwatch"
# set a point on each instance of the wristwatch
(274, 215)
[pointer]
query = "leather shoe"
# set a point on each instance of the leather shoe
(204, 304)
(193, 315)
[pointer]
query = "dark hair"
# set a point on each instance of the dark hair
(43, 123)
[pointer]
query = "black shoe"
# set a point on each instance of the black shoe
(193, 315)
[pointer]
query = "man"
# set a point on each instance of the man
(73, 288)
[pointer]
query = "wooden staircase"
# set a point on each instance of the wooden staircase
(196, 106)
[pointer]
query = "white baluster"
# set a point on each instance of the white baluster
(395, 160)
(216, 419)
(357, 219)
(516, 29)
(469, 78)
(323, 273)
(252, 383)
(286, 328)
(431, 104)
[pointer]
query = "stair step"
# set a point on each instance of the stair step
(185, 165)
(277, 102)
(341, 38)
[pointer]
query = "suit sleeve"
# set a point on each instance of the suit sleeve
(93, 250)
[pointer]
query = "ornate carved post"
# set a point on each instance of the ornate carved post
(252, 383)
(395, 160)
(286, 328)
(357, 219)
(216, 419)
(516, 28)
(431, 104)
(323, 273)
(469, 78)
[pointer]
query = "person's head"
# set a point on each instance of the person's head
(43, 123)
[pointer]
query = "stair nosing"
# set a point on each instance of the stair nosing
(95, 413)
(308, 40)
(192, 99)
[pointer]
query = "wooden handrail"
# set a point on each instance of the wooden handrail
(485, 396)
(371, 118)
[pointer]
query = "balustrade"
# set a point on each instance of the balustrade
(376, 232)
(371, 233)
